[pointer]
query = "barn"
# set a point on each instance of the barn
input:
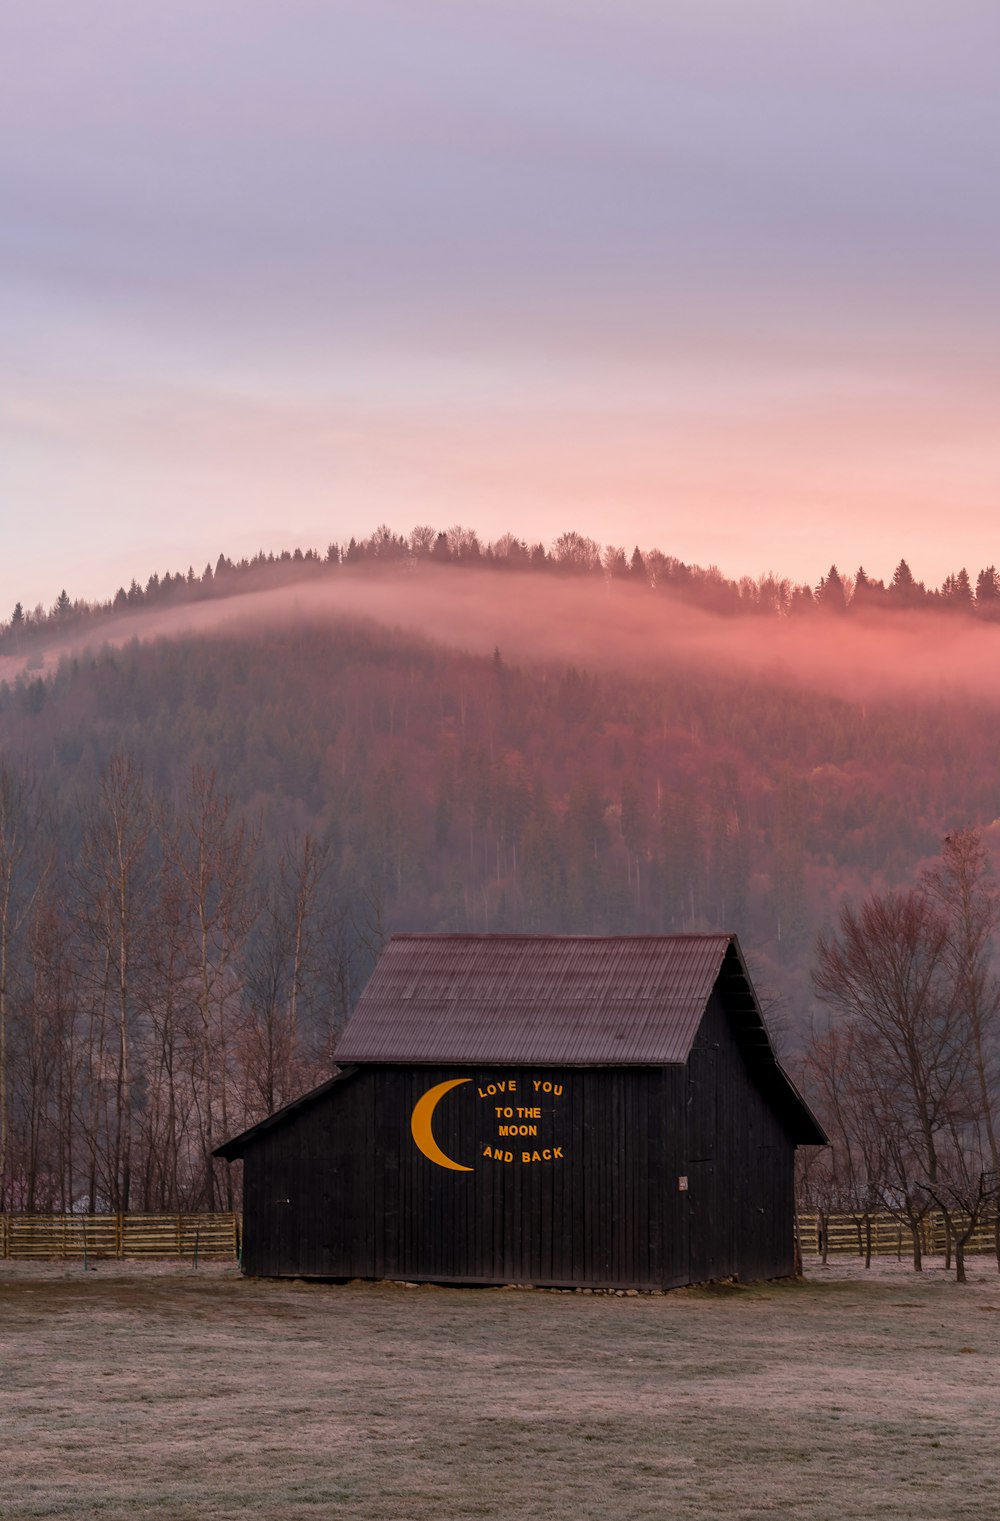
(574, 1111)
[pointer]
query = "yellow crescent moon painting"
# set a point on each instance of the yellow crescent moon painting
(420, 1123)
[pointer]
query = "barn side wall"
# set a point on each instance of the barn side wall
(591, 1199)
(741, 1163)
(341, 1190)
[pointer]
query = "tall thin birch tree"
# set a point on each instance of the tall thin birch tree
(19, 832)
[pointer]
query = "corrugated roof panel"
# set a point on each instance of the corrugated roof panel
(609, 1000)
(527, 1000)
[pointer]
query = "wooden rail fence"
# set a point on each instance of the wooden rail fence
(209, 1237)
(890, 1237)
(217, 1237)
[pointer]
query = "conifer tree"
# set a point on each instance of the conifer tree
(988, 590)
(904, 588)
(830, 593)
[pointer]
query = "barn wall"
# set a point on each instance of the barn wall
(342, 1191)
(741, 1163)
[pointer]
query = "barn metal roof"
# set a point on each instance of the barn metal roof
(630, 1000)
(554, 1000)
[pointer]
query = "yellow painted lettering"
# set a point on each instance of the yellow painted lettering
(557, 1153)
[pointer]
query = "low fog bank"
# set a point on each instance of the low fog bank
(593, 625)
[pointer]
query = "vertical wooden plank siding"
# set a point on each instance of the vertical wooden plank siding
(742, 1198)
(342, 1191)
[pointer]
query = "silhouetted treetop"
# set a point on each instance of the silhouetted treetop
(571, 554)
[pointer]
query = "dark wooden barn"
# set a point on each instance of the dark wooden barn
(558, 1110)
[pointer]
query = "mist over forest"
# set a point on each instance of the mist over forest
(377, 741)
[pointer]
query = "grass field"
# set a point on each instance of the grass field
(160, 1391)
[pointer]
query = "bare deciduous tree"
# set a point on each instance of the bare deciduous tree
(212, 850)
(19, 829)
(167, 985)
(115, 889)
(854, 1180)
(281, 971)
(910, 984)
(965, 890)
(888, 971)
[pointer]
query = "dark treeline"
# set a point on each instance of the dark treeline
(479, 794)
(572, 554)
(167, 975)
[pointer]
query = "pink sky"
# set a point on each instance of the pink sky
(716, 279)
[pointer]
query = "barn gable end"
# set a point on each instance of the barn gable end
(600, 1113)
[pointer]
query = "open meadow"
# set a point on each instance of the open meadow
(199, 1396)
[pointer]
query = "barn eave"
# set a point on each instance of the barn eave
(233, 1149)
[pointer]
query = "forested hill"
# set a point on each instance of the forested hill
(664, 778)
(572, 555)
